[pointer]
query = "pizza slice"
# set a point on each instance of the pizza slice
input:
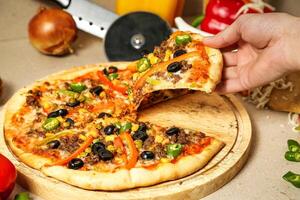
(180, 62)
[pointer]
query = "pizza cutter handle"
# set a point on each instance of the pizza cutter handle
(63, 3)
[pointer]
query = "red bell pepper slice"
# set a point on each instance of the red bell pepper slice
(106, 81)
(132, 153)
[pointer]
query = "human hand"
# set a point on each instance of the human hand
(268, 48)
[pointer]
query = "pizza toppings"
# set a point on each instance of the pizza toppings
(75, 163)
(143, 64)
(172, 131)
(51, 124)
(96, 90)
(57, 113)
(77, 87)
(179, 52)
(174, 67)
(183, 39)
(54, 144)
(147, 155)
(174, 150)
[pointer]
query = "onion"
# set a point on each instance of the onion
(52, 31)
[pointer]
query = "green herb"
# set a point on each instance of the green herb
(22, 196)
(292, 178)
(293, 146)
(292, 156)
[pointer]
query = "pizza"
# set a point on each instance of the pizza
(81, 126)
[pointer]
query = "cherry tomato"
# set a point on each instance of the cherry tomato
(8, 175)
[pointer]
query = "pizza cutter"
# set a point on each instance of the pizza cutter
(126, 38)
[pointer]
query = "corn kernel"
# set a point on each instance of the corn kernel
(135, 127)
(153, 59)
(60, 119)
(83, 137)
(165, 160)
(138, 144)
(159, 138)
(110, 148)
(102, 94)
(167, 55)
(135, 76)
(82, 110)
(109, 138)
(88, 150)
(93, 132)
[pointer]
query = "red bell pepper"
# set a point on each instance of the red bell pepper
(8, 175)
(221, 13)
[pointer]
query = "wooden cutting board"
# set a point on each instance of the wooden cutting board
(221, 116)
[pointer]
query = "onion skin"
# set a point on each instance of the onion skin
(52, 31)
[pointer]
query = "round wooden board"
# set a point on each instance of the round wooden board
(224, 117)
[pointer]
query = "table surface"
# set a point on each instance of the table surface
(20, 65)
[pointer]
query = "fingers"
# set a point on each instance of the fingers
(230, 73)
(225, 38)
(230, 86)
(230, 58)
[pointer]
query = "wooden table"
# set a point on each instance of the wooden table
(20, 64)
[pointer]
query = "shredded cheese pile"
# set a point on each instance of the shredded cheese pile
(257, 5)
(260, 96)
(294, 120)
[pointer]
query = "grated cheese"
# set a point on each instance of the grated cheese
(260, 96)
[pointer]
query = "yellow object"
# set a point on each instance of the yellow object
(167, 55)
(110, 148)
(109, 138)
(166, 9)
(165, 160)
(83, 137)
(135, 127)
(138, 143)
(159, 138)
(153, 59)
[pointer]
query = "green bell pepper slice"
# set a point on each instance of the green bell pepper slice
(292, 178)
(293, 146)
(77, 87)
(143, 64)
(51, 124)
(113, 76)
(183, 39)
(292, 156)
(68, 93)
(22, 196)
(174, 150)
(125, 127)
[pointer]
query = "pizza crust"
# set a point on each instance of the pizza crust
(135, 177)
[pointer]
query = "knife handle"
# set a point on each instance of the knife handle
(63, 3)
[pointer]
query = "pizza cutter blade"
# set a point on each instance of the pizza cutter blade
(135, 34)
(125, 38)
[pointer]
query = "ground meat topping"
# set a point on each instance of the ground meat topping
(159, 151)
(148, 142)
(70, 144)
